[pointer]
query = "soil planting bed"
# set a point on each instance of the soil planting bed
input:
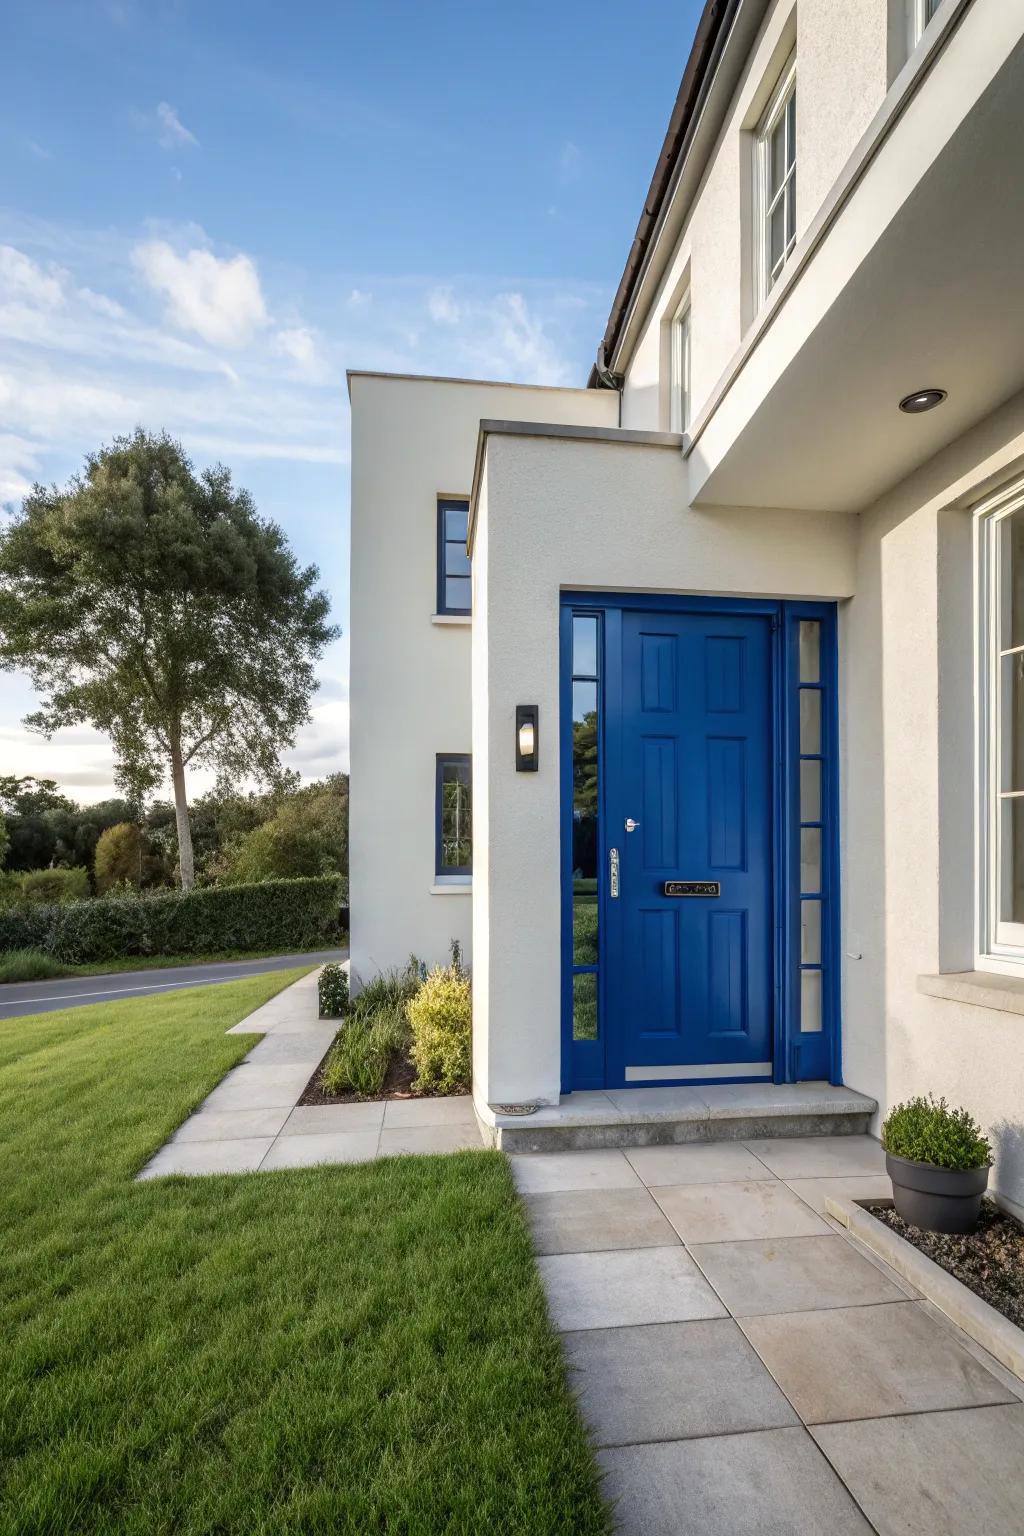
(989, 1260)
(398, 1084)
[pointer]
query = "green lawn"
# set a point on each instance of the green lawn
(354, 1349)
(155, 962)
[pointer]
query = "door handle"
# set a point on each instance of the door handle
(613, 874)
(631, 825)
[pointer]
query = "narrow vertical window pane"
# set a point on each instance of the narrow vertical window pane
(456, 851)
(810, 720)
(1011, 863)
(810, 932)
(456, 559)
(584, 645)
(456, 524)
(791, 132)
(777, 157)
(457, 590)
(584, 823)
(810, 790)
(810, 651)
(680, 402)
(810, 859)
(584, 1006)
(454, 588)
(810, 1002)
(777, 234)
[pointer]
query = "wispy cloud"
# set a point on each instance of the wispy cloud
(442, 307)
(38, 151)
(171, 131)
(220, 299)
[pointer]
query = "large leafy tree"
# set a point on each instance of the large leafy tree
(155, 604)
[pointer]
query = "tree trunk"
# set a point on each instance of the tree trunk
(186, 864)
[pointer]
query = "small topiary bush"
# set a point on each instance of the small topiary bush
(926, 1130)
(441, 1020)
(332, 989)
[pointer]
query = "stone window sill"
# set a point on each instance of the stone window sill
(465, 619)
(979, 989)
(455, 888)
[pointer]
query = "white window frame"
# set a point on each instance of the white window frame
(679, 368)
(999, 945)
(763, 205)
(919, 14)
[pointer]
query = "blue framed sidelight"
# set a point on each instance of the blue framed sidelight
(798, 982)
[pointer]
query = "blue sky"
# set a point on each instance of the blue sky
(210, 209)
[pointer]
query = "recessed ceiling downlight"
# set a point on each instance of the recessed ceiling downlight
(922, 400)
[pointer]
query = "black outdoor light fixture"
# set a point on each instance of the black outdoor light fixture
(922, 400)
(527, 717)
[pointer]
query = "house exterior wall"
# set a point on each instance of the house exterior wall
(413, 440)
(603, 516)
(844, 62)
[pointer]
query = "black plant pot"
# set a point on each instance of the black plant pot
(937, 1199)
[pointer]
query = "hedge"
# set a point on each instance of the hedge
(278, 914)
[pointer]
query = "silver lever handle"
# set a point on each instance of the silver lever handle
(631, 825)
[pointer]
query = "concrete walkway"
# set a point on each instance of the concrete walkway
(744, 1367)
(252, 1119)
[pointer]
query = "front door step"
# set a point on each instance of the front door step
(651, 1117)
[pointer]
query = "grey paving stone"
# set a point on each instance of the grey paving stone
(592, 1220)
(404, 1114)
(306, 1151)
(427, 1139)
(792, 1274)
(230, 1124)
(959, 1473)
(707, 1163)
(619, 1289)
(818, 1157)
(535, 1172)
(717, 1213)
(298, 1050)
(242, 1155)
(671, 1381)
(773, 1482)
(258, 1088)
(867, 1362)
(320, 1119)
(852, 1186)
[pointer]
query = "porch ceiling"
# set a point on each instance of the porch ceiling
(903, 293)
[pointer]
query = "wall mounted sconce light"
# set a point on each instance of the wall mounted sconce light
(527, 719)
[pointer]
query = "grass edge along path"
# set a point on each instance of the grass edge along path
(352, 1349)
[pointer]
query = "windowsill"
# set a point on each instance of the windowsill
(979, 989)
(452, 887)
(451, 618)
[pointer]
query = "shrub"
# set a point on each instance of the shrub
(120, 852)
(926, 1130)
(306, 837)
(441, 1019)
(29, 965)
(332, 989)
(48, 887)
(278, 915)
(365, 1047)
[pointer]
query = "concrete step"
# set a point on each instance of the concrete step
(650, 1117)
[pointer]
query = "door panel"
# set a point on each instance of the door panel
(692, 741)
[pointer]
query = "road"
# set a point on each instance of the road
(77, 991)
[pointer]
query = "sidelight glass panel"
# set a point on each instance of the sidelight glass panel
(810, 859)
(810, 789)
(810, 932)
(810, 720)
(584, 1005)
(810, 651)
(584, 645)
(810, 1002)
(585, 825)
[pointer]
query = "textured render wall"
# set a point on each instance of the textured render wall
(597, 516)
(410, 679)
(908, 796)
(842, 51)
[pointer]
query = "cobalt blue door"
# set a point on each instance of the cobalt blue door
(689, 808)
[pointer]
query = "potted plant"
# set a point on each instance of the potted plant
(938, 1161)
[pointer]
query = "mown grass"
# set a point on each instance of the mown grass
(349, 1349)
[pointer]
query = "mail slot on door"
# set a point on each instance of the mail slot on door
(691, 888)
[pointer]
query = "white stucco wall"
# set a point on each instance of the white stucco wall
(413, 440)
(601, 516)
(907, 704)
(843, 67)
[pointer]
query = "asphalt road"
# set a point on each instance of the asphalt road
(77, 991)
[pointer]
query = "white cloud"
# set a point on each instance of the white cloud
(300, 345)
(24, 280)
(359, 297)
(220, 299)
(171, 131)
(442, 307)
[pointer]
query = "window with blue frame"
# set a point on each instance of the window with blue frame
(454, 587)
(453, 837)
(586, 634)
(812, 770)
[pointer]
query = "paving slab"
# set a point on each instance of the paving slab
(716, 1213)
(336, 1147)
(402, 1114)
(320, 1119)
(540, 1171)
(298, 1050)
(595, 1220)
(703, 1163)
(242, 1155)
(428, 1139)
(230, 1125)
(258, 1088)
(773, 1482)
(953, 1474)
(791, 1274)
(869, 1362)
(623, 1288)
(671, 1381)
(816, 1157)
(853, 1186)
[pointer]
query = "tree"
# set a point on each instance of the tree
(308, 836)
(5, 841)
(155, 604)
(120, 856)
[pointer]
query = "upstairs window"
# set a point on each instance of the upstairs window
(679, 409)
(776, 183)
(1001, 718)
(919, 14)
(453, 568)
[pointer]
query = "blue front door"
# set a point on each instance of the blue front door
(688, 808)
